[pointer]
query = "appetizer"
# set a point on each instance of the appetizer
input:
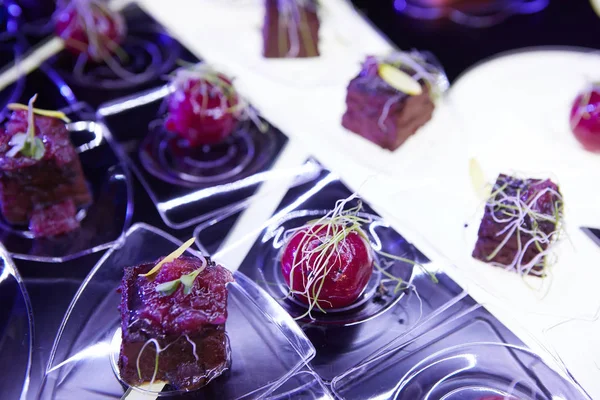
(521, 221)
(391, 98)
(41, 179)
(89, 27)
(204, 107)
(585, 118)
(173, 315)
(327, 263)
(291, 29)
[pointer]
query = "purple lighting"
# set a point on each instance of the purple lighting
(477, 15)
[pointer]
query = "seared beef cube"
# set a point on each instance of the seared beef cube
(291, 29)
(54, 220)
(520, 222)
(189, 327)
(27, 184)
(380, 113)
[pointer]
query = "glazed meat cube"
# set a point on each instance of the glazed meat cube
(187, 322)
(381, 113)
(519, 224)
(291, 29)
(29, 185)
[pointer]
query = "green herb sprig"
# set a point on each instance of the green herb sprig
(27, 143)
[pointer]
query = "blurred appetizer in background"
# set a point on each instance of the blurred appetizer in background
(173, 315)
(291, 29)
(392, 97)
(521, 223)
(585, 118)
(90, 27)
(41, 179)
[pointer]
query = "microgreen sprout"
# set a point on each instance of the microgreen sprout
(293, 24)
(27, 143)
(522, 217)
(209, 83)
(330, 232)
(170, 258)
(159, 350)
(168, 288)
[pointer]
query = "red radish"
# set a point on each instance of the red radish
(204, 108)
(88, 26)
(585, 118)
(327, 265)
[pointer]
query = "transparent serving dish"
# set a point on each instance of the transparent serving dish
(381, 317)
(152, 53)
(189, 186)
(267, 346)
(16, 331)
(470, 356)
(104, 222)
(304, 385)
(472, 13)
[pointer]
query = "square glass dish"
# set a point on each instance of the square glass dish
(16, 331)
(82, 359)
(381, 316)
(190, 188)
(305, 385)
(470, 356)
(106, 219)
(151, 55)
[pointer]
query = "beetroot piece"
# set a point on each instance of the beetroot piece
(291, 29)
(54, 220)
(349, 268)
(585, 118)
(380, 113)
(175, 320)
(29, 188)
(493, 228)
(89, 27)
(200, 111)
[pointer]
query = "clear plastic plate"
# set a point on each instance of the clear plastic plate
(267, 346)
(187, 190)
(152, 55)
(380, 318)
(475, 14)
(305, 385)
(16, 331)
(105, 220)
(470, 356)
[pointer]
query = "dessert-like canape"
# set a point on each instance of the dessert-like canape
(173, 315)
(291, 29)
(41, 179)
(391, 98)
(90, 27)
(521, 221)
(327, 264)
(204, 107)
(585, 118)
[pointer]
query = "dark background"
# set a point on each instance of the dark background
(562, 23)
